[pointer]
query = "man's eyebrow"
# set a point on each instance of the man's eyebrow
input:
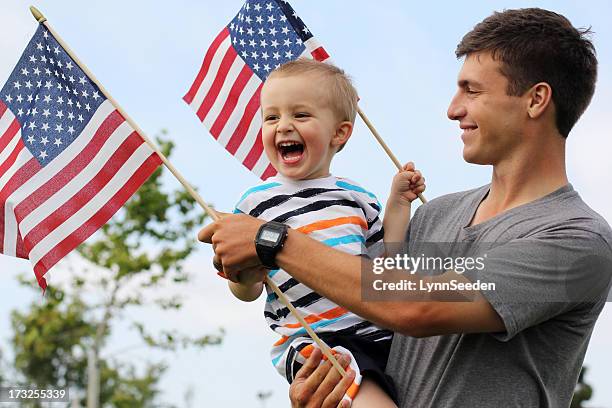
(466, 82)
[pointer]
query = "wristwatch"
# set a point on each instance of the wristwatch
(269, 240)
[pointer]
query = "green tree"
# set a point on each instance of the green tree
(143, 248)
(582, 392)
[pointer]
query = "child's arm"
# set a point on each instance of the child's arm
(250, 286)
(406, 186)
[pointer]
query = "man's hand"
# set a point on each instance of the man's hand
(320, 385)
(233, 241)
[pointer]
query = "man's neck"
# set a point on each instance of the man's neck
(523, 178)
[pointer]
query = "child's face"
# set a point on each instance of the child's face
(300, 132)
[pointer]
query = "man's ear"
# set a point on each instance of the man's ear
(343, 133)
(539, 99)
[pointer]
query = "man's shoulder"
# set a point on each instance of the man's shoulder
(453, 201)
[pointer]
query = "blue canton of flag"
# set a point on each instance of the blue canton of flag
(225, 93)
(68, 158)
(51, 96)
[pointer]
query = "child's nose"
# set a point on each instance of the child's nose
(284, 125)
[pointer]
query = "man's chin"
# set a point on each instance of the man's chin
(472, 158)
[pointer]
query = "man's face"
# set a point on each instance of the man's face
(492, 121)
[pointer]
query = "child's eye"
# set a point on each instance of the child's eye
(302, 115)
(271, 117)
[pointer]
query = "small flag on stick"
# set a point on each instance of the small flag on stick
(68, 158)
(225, 93)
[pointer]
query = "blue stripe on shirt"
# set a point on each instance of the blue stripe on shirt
(347, 239)
(255, 189)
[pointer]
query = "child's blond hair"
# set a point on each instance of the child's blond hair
(342, 94)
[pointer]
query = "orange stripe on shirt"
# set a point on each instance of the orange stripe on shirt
(329, 314)
(324, 224)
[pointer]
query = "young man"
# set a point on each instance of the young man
(527, 77)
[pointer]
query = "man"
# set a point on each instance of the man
(527, 77)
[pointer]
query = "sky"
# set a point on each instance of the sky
(401, 57)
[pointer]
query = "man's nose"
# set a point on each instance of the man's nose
(456, 109)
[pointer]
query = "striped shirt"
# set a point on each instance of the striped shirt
(335, 211)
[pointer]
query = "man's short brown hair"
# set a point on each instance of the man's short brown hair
(342, 94)
(536, 45)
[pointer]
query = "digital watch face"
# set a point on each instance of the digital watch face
(270, 236)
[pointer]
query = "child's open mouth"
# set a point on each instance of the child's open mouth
(291, 152)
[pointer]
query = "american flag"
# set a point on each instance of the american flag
(68, 158)
(225, 93)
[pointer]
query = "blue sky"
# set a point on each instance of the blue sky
(400, 54)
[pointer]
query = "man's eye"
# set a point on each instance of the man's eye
(471, 91)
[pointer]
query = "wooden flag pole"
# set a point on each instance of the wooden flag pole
(384, 145)
(214, 214)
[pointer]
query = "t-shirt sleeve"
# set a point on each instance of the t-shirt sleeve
(540, 277)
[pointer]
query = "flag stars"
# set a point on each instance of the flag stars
(45, 34)
(16, 85)
(82, 81)
(287, 42)
(28, 84)
(259, 19)
(43, 59)
(69, 65)
(34, 112)
(87, 107)
(71, 129)
(85, 94)
(250, 31)
(43, 155)
(252, 43)
(32, 125)
(47, 99)
(60, 100)
(59, 128)
(261, 32)
(58, 142)
(70, 115)
(59, 114)
(288, 54)
(56, 50)
(8, 98)
(256, 67)
(31, 139)
(36, 71)
(274, 43)
(254, 55)
(47, 71)
(257, 7)
(45, 127)
(95, 95)
(44, 141)
(273, 31)
(19, 112)
(80, 118)
(71, 79)
(19, 98)
(285, 30)
(39, 84)
(24, 71)
(46, 113)
(269, 7)
(39, 46)
(48, 84)
(271, 19)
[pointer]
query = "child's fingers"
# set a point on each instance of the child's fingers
(409, 166)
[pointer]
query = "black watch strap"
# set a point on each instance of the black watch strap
(266, 250)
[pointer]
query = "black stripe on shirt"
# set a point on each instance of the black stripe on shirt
(277, 200)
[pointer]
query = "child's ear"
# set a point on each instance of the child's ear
(343, 133)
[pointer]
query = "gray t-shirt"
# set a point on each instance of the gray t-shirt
(549, 292)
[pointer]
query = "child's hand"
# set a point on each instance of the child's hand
(407, 185)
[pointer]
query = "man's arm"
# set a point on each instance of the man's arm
(337, 276)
